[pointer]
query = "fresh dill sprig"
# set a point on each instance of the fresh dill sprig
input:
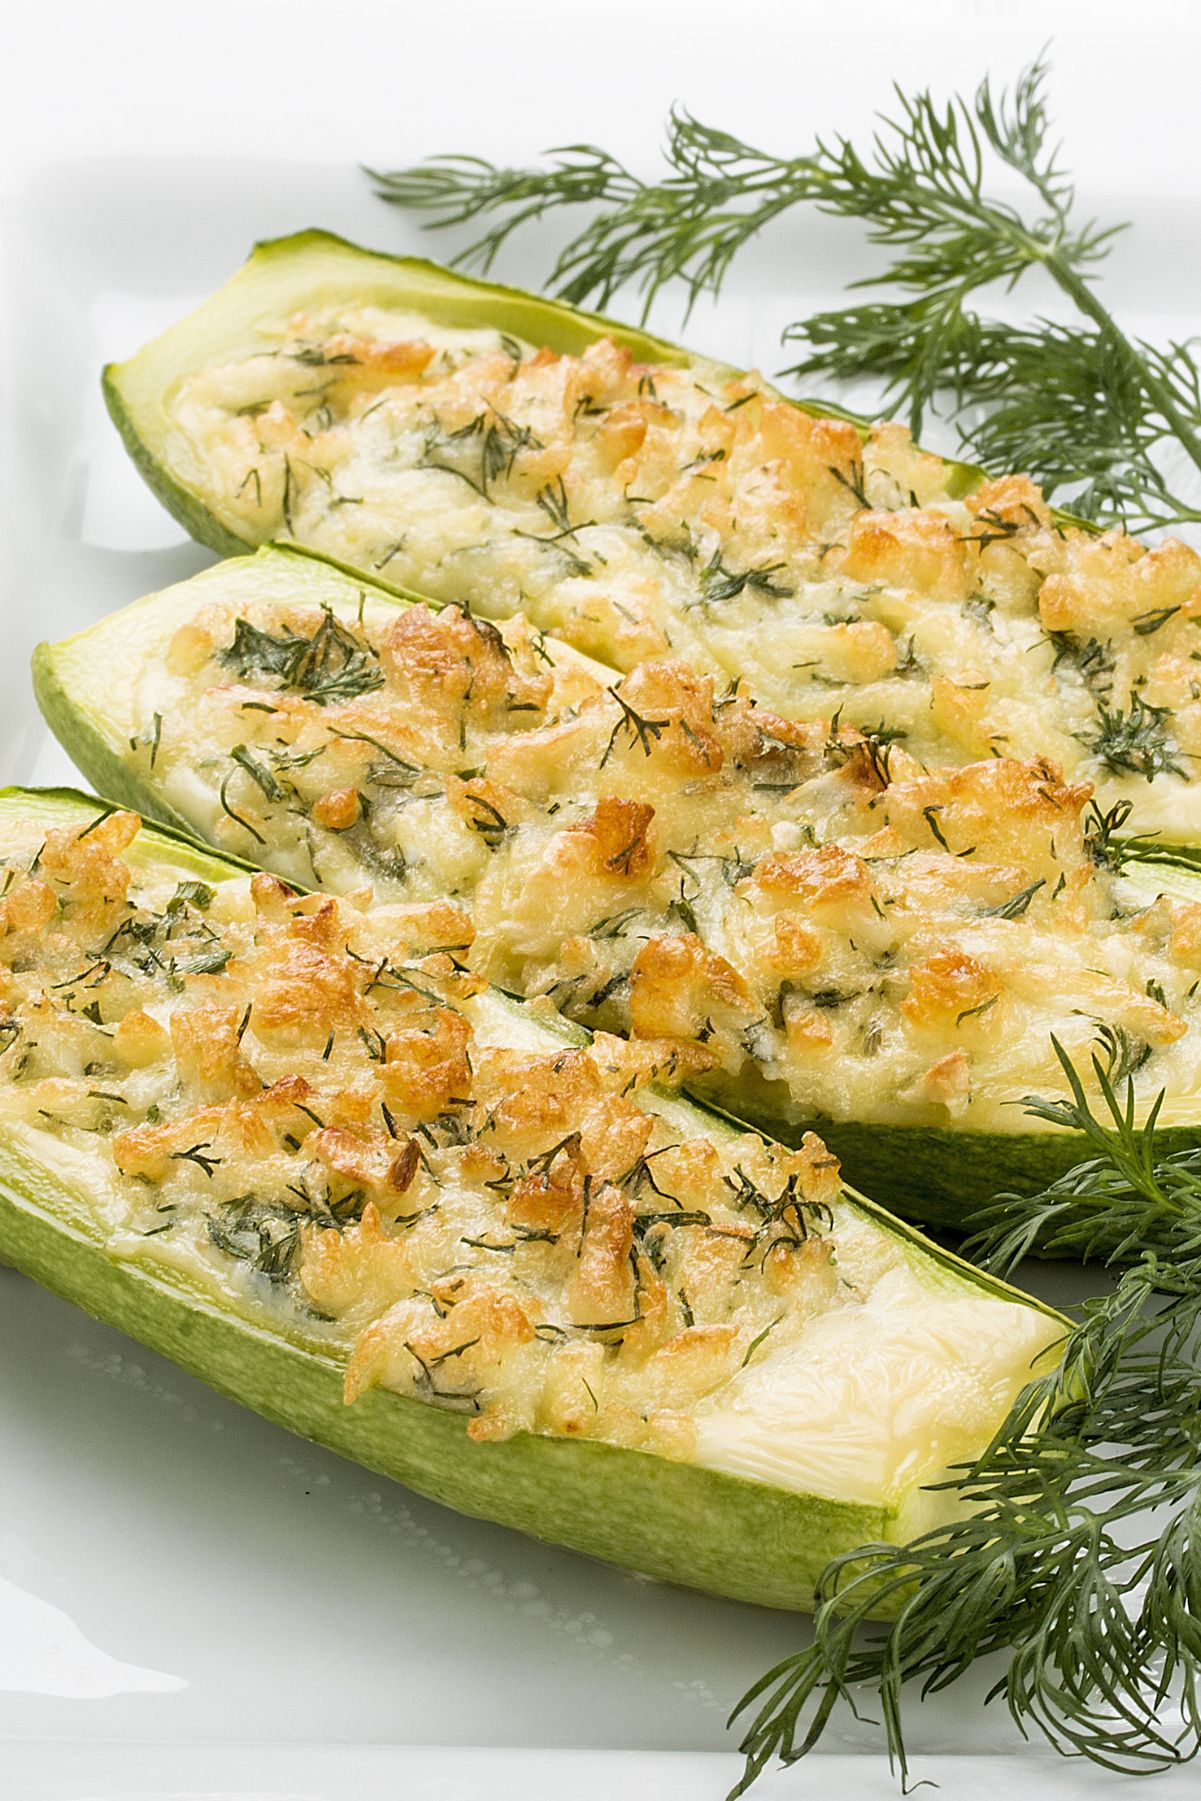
(1080, 1556)
(1085, 408)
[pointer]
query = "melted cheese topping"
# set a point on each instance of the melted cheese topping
(649, 511)
(805, 912)
(261, 1091)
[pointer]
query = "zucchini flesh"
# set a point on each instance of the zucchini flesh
(170, 707)
(744, 1509)
(834, 568)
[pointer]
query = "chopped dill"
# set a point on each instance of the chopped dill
(1136, 742)
(719, 583)
(1016, 905)
(333, 665)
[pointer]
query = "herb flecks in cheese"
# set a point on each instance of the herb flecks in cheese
(263, 1091)
(651, 511)
(801, 908)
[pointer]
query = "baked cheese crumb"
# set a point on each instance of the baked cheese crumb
(806, 911)
(648, 512)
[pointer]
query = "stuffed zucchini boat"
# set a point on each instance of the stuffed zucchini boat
(289, 1143)
(826, 932)
(472, 443)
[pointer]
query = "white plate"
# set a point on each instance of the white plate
(193, 1603)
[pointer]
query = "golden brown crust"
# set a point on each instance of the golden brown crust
(908, 549)
(618, 837)
(676, 985)
(451, 658)
(664, 857)
(672, 512)
(516, 1236)
(426, 1067)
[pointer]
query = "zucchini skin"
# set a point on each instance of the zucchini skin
(290, 270)
(191, 512)
(678, 1522)
(935, 1176)
(91, 753)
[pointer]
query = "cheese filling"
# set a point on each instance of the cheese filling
(800, 909)
(643, 512)
(310, 1109)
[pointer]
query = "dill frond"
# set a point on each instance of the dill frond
(1080, 1558)
(1090, 412)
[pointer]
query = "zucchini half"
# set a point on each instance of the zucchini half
(1028, 643)
(753, 1539)
(87, 687)
(317, 268)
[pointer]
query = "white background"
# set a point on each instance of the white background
(167, 1626)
